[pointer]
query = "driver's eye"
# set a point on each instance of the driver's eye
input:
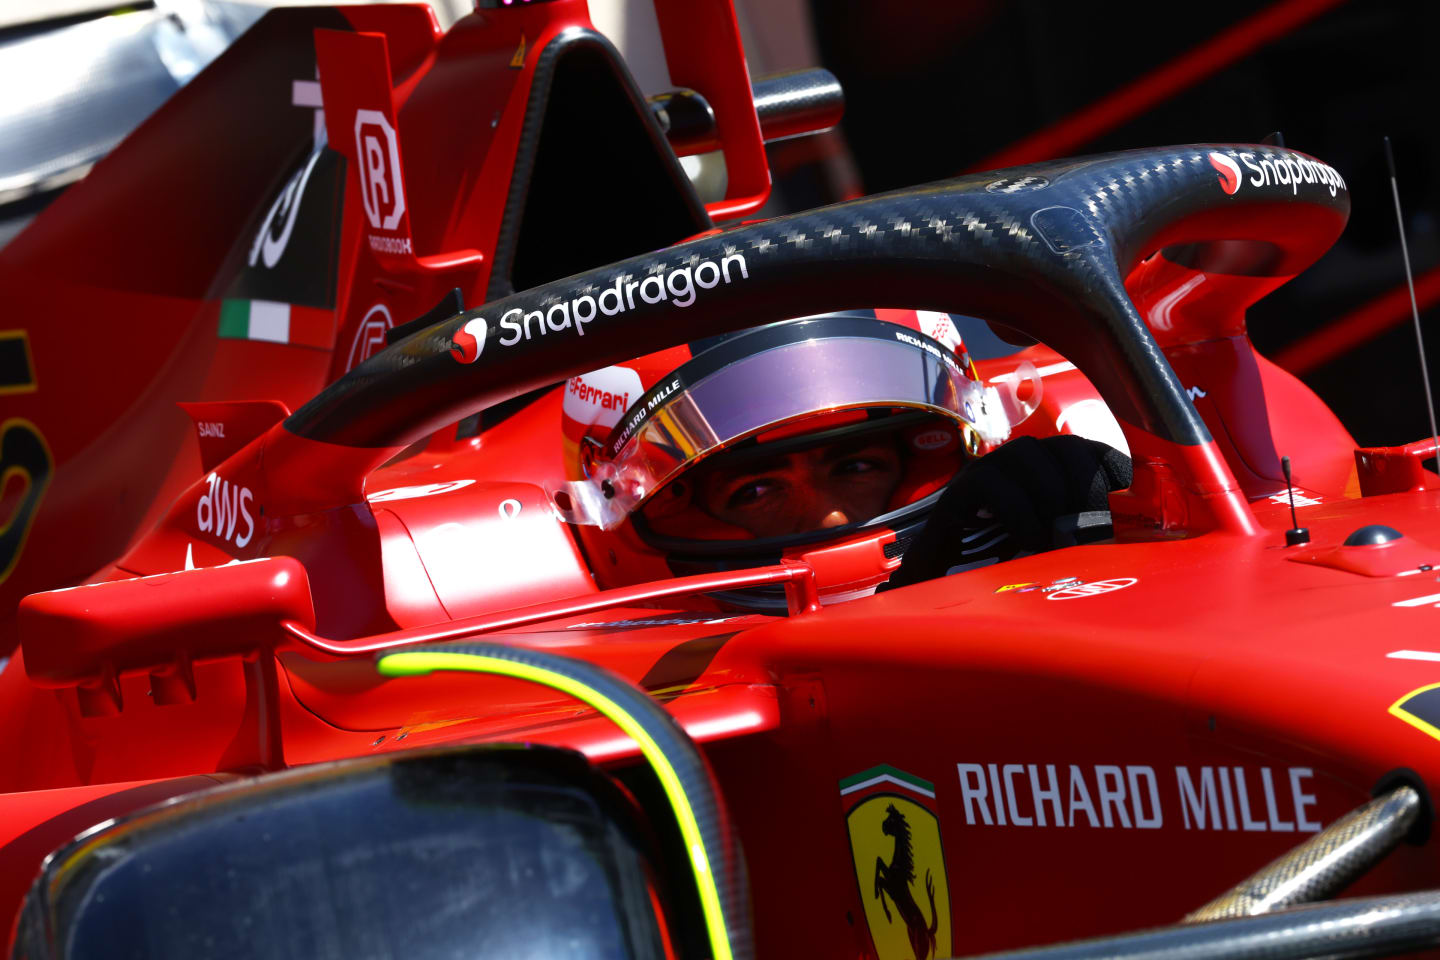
(751, 492)
(856, 465)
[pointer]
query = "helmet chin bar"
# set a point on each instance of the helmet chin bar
(1044, 249)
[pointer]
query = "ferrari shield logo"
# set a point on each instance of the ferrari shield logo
(899, 863)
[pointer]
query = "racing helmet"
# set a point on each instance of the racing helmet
(882, 406)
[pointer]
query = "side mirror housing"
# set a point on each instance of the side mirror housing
(90, 636)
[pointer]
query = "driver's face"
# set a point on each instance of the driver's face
(813, 489)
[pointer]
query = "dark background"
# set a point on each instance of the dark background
(936, 89)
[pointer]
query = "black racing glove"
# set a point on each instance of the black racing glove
(1006, 503)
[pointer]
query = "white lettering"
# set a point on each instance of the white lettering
(619, 300)
(687, 291)
(221, 506)
(1276, 824)
(204, 512)
(1007, 774)
(975, 792)
(391, 245)
(1291, 170)
(512, 328)
(210, 429)
(1196, 805)
(1130, 797)
(564, 307)
(245, 498)
(1230, 823)
(659, 283)
(1258, 178)
(714, 275)
(579, 320)
(1052, 794)
(1243, 794)
(1154, 819)
(1077, 779)
(999, 796)
(1112, 797)
(725, 266)
(1302, 799)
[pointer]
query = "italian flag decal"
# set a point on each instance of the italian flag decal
(886, 774)
(277, 323)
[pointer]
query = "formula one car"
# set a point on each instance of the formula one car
(463, 538)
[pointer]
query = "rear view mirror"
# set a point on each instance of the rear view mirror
(478, 852)
(89, 636)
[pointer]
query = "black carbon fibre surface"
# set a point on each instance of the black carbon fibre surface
(1042, 248)
(800, 101)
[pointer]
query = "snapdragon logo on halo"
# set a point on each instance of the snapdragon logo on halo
(1282, 169)
(680, 287)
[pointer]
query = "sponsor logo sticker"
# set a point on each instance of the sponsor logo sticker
(1016, 184)
(1138, 796)
(222, 508)
(369, 335)
(1279, 169)
(274, 233)
(681, 287)
(1093, 589)
(1229, 172)
(1301, 498)
(601, 397)
(931, 440)
(899, 862)
(420, 490)
(381, 192)
(469, 341)
(937, 326)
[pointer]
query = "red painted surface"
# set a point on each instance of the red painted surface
(1191, 647)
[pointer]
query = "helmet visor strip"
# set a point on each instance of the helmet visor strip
(702, 409)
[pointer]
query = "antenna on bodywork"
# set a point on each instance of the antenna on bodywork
(1297, 534)
(1414, 308)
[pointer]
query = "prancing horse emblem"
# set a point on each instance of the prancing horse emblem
(894, 880)
(899, 863)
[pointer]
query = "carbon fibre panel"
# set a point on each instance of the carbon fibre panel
(1043, 248)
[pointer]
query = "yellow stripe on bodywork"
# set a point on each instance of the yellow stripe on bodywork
(1398, 710)
(419, 663)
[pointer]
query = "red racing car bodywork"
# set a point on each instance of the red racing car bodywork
(1175, 705)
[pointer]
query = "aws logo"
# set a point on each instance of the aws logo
(221, 508)
(1229, 172)
(469, 341)
(899, 862)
